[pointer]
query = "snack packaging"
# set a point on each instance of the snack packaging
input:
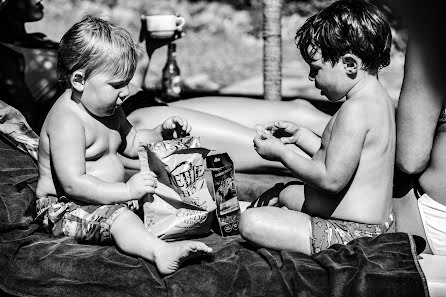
(182, 205)
(221, 182)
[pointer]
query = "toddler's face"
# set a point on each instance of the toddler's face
(103, 94)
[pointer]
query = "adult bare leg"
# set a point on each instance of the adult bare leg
(249, 112)
(215, 133)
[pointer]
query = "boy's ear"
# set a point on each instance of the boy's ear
(77, 80)
(351, 63)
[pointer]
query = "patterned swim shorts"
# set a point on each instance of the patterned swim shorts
(326, 232)
(88, 223)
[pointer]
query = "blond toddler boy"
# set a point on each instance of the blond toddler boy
(81, 188)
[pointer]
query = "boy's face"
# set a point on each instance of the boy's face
(332, 80)
(102, 94)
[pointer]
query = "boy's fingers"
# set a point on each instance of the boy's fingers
(288, 139)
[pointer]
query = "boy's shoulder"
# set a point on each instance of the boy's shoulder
(62, 116)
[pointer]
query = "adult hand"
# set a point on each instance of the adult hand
(269, 147)
(175, 127)
(153, 44)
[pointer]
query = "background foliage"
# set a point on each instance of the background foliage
(223, 41)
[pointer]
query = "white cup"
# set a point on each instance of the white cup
(163, 26)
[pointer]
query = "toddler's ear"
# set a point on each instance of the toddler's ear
(351, 63)
(77, 80)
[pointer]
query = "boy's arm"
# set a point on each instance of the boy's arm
(292, 134)
(333, 171)
(67, 150)
(131, 137)
(309, 142)
(418, 110)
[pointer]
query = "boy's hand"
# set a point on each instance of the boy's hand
(268, 146)
(141, 183)
(175, 127)
(152, 44)
(288, 132)
(264, 129)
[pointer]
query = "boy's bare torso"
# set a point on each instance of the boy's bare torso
(368, 196)
(102, 141)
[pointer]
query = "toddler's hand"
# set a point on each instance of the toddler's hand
(289, 132)
(263, 130)
(141, 183)
(175, 127)
(268, 147)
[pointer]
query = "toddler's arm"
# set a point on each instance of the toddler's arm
(68, 153)
(173, 127)
(333, 166)
(291, 133)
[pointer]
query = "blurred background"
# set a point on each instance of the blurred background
(223, 44)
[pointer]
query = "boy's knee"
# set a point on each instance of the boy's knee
(121, 217)
(248, 224)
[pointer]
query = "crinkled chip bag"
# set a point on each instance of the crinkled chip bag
(182, 205)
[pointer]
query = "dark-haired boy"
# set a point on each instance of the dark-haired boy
(348, 181)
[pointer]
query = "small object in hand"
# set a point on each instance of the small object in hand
(261, 131)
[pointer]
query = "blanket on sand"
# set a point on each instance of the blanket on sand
(33, 263)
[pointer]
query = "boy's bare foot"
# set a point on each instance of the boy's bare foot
(170, 256)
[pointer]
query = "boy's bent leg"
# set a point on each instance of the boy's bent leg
(292, 196)
(133, 238)
(276, 228)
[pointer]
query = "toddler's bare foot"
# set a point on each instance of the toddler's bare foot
(169, 258)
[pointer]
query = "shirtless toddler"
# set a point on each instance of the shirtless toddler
(348, 181)
(81, 190)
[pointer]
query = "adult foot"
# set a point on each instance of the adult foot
(169, 258)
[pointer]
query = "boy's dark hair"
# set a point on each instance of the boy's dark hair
(95, 45)
(347, 26)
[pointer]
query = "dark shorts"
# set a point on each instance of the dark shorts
(88, 223)
(325, 232)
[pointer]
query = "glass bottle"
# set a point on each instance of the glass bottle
(171, 79)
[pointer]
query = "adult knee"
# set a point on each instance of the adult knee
(302, 103)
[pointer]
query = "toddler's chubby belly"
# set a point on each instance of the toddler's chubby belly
(108, 168)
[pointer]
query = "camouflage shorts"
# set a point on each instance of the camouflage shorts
(88, 223)
(325, 232)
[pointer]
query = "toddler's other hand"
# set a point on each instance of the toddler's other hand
(141, 183)
(175, 127)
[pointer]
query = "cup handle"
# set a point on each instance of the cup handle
(181, 24)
